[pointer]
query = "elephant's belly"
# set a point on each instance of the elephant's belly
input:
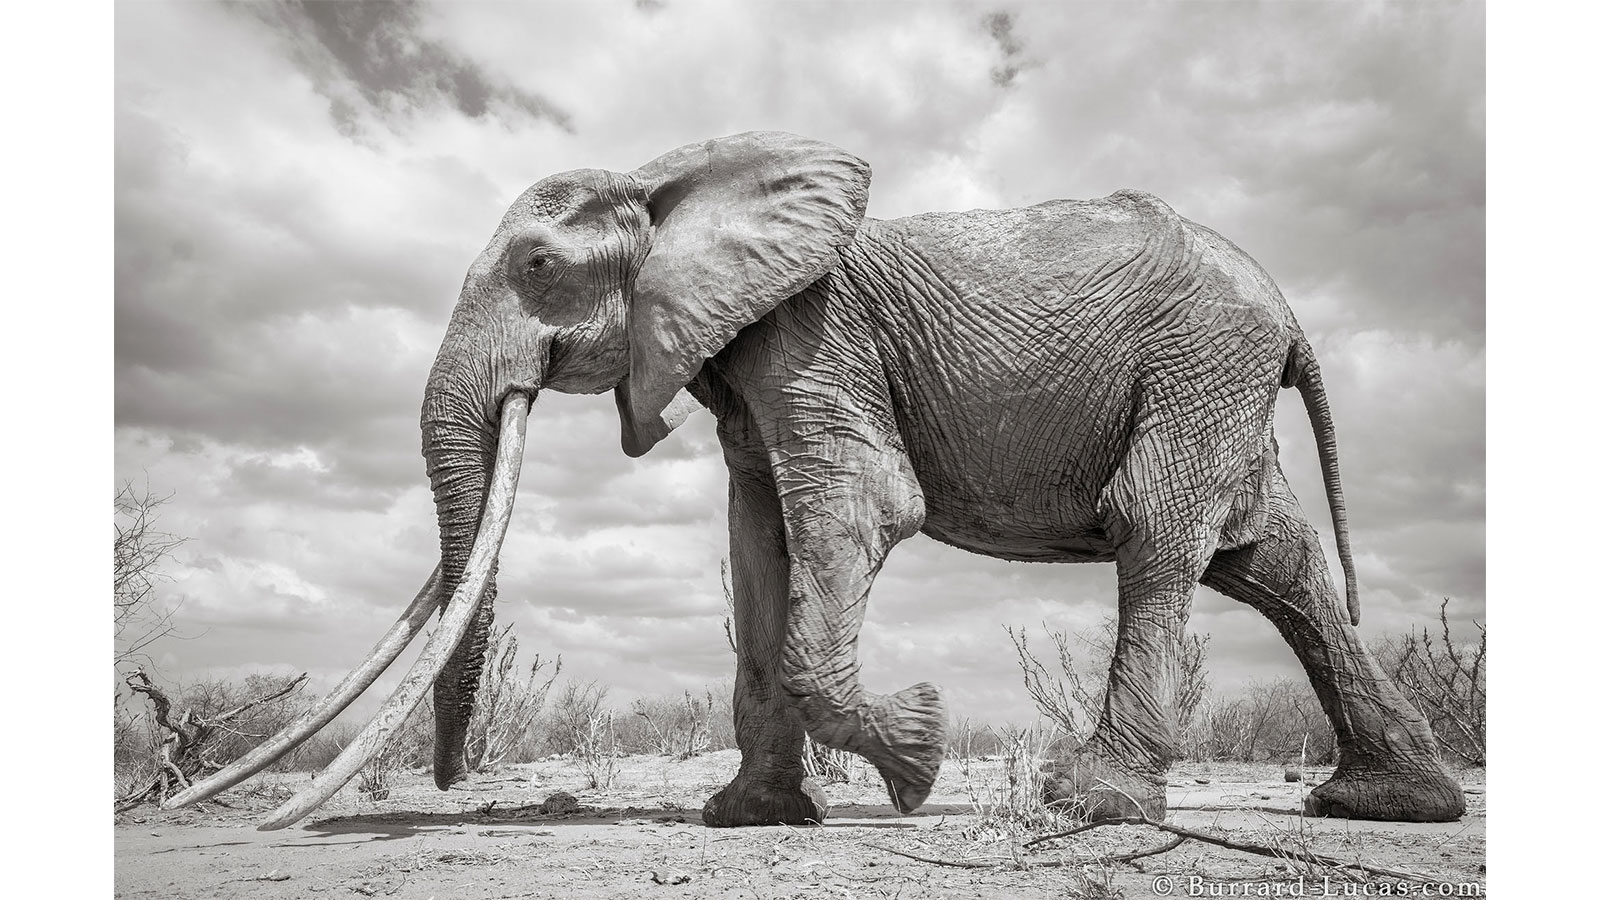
(1003, 543)
(1001, 498)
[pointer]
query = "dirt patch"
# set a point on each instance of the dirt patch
(488, 839)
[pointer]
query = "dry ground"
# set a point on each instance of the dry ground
(643, 838)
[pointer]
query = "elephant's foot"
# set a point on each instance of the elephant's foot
(1410, 796)
(909, 728)
(751, 801)
(1090, 785)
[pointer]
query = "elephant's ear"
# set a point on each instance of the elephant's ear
(741, 223)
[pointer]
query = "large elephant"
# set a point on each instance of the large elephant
(1076, 381)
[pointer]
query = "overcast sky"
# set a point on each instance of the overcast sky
(300, 189)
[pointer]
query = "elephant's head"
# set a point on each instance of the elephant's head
(597, 281)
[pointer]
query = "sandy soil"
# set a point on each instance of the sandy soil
(644, 839)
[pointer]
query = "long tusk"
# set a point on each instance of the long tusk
(405, 630)
(452, 625)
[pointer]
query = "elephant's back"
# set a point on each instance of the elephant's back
(1071, 241)
(1020, 342)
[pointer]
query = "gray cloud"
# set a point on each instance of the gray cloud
(377, 47)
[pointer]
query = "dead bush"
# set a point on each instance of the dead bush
(581, 724)
(672, 726)
(1271, 720)
(211, 724)
(1447, 682)
(509, 701)
(1072, 694)
(829, 765)
(1014, 807)
(139, 550)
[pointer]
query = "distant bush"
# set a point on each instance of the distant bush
(1447, 682)
(679, 727)
(1269, 721)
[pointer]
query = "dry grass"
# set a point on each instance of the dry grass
(1012, 809)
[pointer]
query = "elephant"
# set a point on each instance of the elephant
(1073, 381)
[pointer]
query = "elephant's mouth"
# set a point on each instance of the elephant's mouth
(458, 614)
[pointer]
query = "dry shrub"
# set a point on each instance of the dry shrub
(672, 726)
(967, 742)
(581, 724)
(1013, 807)
(508, 703)
(1447, 683)
(1072, 693)
(139, 551)
(829, 765)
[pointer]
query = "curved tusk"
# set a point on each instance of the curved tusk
(404, 631)
(458, 614)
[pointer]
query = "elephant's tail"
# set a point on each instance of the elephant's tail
(1302, 372)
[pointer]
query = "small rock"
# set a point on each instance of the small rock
(1202, 781)
(670, 877)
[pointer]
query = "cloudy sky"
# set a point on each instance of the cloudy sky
(300, 189)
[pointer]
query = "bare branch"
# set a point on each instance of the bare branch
(1304, 856)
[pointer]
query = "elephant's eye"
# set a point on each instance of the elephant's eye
(537, 263)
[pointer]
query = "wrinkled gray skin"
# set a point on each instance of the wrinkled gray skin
(1077, 381)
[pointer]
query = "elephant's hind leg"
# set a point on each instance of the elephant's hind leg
(770, 788)
(1388, 761)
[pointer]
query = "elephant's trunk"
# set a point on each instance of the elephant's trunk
(460, 456)
(459, 615)
(460, 425)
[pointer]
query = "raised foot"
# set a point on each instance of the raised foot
(1388, 797)
(909, 727)
(746, 801)
(1092, 786)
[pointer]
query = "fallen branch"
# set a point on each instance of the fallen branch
(1304, 856)
(1042, 864)
(186, 747)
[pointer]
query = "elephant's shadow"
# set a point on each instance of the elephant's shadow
(516, 820)
(527, 820)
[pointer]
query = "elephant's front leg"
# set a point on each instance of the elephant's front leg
(770, 788)
(846, 504)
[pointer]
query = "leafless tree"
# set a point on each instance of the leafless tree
(139, 551)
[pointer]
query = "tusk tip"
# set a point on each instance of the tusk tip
(278, 821)
(179, 800)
